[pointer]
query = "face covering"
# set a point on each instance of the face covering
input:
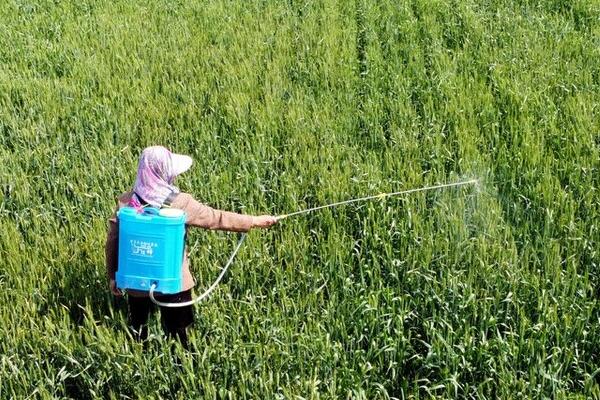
(155, 176)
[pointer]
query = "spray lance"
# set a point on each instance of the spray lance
(297, 213)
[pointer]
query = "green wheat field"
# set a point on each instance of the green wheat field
(484, 291)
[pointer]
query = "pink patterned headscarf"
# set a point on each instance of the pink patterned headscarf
(157, 170)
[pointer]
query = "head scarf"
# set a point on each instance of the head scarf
(155, 176)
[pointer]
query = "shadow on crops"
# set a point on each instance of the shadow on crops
(85, 297)
(84, 294)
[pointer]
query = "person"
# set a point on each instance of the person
(157, 170)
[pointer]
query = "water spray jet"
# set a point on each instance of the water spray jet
(302, 212)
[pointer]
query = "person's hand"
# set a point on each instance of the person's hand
(263, 221)
(114, 289)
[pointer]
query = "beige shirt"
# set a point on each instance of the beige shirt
(198, 214)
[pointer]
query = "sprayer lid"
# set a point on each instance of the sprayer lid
(170, 212)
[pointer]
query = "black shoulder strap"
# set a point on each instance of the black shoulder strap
(170, 199)
(143, 202)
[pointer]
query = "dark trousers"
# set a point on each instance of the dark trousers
(174, 320)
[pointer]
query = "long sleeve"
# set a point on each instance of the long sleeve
(203, 216)
(111, 248)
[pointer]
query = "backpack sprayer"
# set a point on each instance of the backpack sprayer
(152, 243)
(151, 246)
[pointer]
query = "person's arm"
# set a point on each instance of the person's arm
(204, 216)
(111, 251)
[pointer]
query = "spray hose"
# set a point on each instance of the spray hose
(207, 291)
(284, 216)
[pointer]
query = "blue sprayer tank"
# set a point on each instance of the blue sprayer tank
(151, 246)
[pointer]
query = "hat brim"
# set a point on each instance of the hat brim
(181, 163)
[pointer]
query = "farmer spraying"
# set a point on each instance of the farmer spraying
(154, 189)
(145, 247)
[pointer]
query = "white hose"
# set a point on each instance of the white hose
(306, 211)
(209, 290)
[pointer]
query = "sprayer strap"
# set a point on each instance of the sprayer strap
(169, 199)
